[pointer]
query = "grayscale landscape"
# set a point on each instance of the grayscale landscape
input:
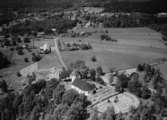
(83, 60)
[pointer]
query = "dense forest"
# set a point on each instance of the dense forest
(110, 5)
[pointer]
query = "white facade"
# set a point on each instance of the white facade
(55, 73)
(79, 90)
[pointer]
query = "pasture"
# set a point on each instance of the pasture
(134, 46)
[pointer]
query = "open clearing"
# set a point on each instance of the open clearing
(134, 46)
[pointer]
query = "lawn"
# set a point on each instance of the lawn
(123, 105)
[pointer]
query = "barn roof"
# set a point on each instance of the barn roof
(83, 85)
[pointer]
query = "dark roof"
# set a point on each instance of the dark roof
(83, 85)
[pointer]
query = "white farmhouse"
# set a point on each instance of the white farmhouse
(83, 87)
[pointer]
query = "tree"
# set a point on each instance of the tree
(28, 102)
(99, 70)
(94, 115)
(76, 112)
(31, 78)
(135, 87)
(4, 62)
(134, 76)
(20, 52)
(64, 73)
(50, 86)
(69, 97)
(38, 86)
(36, 57)
(146, 93)
(109, 114)
(124, 80)
(35, 114)
(27, 40)
(26, 60)
(94, 59)
(58, 94)
(82, 99)
(60, 111)
(92, 73)
(118, 86)
(3, 86)
(99, 80)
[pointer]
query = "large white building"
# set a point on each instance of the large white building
(83, 87)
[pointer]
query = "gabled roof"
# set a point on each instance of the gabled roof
(83, 85)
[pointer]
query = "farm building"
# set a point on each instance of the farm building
(75, 75)
(110, 79)
(107, 78)
(55, 73)
(128, 72)
(82, 86)
(45, 48)
(95, 10)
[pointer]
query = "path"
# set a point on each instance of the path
(58, 54)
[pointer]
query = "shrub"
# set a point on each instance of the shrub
(26, 60)
(29, 50)
(100, 81)
(99, 70)
(11, 49)
(20, 52)
(14, 43)
(19, 48)
(7, 43)
(19, 74)
(140, 67)
(27, 40)
(4, 62)
(19, 40)
(107, 38)
(36, 58)
(94, 59)
(106, 31)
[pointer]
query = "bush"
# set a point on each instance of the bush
(11, 49)
(4, 62)
(19, 74)
(20, 52)
(27, 40)
(164, 38)
(29, 50)
(26, 60)
(36, 58)
(19, 48)
(19, 40)
(7, 43)
(99, 71)
(107, 38)
(85, 47)
(146, 93)
(14, 43)
(140, 68)
(100, 81)
(94, 59)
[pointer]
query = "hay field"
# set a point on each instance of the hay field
(134, 46)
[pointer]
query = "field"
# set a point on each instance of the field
(10, 73)
(134, 46)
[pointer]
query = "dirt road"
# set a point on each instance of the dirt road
(58, 53)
